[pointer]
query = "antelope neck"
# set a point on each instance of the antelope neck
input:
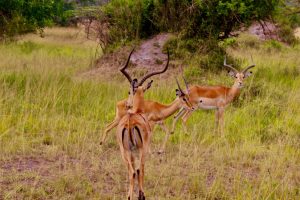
(233, 92)
(171, 108)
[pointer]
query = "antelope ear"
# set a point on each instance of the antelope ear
(231, 73)
(247, 74)
(134, 83)
(178, 93)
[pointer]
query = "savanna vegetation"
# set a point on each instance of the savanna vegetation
(52, 117)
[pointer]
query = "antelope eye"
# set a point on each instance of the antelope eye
(184, 99)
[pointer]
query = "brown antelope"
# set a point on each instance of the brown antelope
(156, 112)
(127, 104)
(134, 131)
(214, 97)
(133, 136)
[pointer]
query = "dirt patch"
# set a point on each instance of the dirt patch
(148, 56)
(33, 170)
(264, 30)
(24, 174)
(33, 163)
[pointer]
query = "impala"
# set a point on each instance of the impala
(134, 131)
(156, 112)
(133, 136)
(214, 97)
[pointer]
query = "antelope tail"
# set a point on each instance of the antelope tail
(131, 136)
(131, 133)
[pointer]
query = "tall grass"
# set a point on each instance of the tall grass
(51, 124)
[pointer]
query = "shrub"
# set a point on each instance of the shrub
(248, 41)
(286, 33)
(19, 16)
(271, 45)
(208, 19)
(229, 42)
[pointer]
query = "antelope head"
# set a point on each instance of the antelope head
(184, 97)
(239, 75)
(137, 88)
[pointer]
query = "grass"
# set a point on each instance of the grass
(51, 124)
(297, 33)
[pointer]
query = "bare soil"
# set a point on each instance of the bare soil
(148, 56)
(264, 30)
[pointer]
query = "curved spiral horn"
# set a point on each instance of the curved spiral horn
(157, 72)
(178, 86)
(229, 66)
(249, 67)
(123, 69)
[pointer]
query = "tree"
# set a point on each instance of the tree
(21, 16)
(132, 19)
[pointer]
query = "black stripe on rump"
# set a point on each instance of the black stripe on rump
(138, 130)
(123, 135)
(130, 136)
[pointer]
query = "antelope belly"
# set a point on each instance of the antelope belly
(207, 103)
(207, 107)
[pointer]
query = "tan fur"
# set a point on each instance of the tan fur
(212, 97)
(131, 142)
(155, 112)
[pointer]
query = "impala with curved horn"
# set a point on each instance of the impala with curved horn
(155, 111)
(138, 85)
(134, 132)
(214, 97)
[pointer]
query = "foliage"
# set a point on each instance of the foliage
(131, 19)
(20, 16)
(198, 53)
(291, 13)
(287, 18)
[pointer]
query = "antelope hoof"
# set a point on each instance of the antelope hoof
(141, 196)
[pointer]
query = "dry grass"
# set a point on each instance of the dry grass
(51, 124)
(297, 33)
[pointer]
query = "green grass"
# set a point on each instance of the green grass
(51, 124)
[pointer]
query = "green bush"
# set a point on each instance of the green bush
(229, 42)
(180, 47)
(286, 33)
(248, 41)
(19, 16)
(213, 19)
(271, 45)
(199, 53)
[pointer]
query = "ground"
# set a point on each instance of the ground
(148, 56)
(52, 115)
